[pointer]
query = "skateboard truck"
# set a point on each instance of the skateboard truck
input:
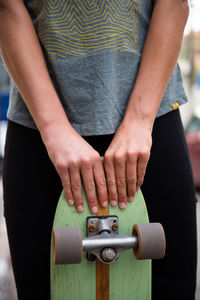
(104, 243)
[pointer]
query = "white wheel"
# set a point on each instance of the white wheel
(151, 241)
(67, 245)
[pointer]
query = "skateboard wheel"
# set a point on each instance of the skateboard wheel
(67, 245)
(151, 241)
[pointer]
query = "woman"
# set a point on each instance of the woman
(94, 79)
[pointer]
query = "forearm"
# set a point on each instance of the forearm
(24, 60)
(159, 57)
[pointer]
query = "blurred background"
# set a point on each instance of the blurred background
(189, 61)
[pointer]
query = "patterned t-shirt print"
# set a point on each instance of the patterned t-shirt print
(82, 27)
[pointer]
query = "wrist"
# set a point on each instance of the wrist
(51, 127)
(48, 113)
(140, 111)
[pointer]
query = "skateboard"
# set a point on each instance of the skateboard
(104, 256)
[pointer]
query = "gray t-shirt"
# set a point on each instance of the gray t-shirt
(93, 50)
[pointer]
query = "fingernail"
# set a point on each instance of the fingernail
(71, 202)
(104, 204)
(131, 199)
(114, 203)
(122, 205)
(94, 209)
(80, 208)
(137, 188)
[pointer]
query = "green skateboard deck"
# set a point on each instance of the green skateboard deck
(127, 278)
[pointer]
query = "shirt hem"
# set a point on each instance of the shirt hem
(105, 129)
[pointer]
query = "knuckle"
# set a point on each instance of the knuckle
(66, 186)
(92, 201)
(148, 155)
(144, 153)
(61, 165)
(119, 158)
(113, 196)
(131, 181)
(141, 174)
(78, 201)
(122, 197)
(67, 195)
(103, 197)
(131, 155)
(96, 156)
(76, 186)
(107, 157)
(111, 182)
(73, 163)
(140, 181)
(90, 186)
(86, 163)
(131, 192)
(101, 183)
(121, 181)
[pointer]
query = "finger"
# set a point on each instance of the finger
(75, 181)
(67, 187)
(89, 185)
(141, 169)
(110, 180)
(131, 179)
(100, 181)
(120, 175)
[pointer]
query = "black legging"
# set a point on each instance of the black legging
(32, 188)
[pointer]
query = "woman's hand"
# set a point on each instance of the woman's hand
(126, 161)
(74, 159)
(127, 156)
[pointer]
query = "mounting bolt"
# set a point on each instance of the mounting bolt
(91, 228)
(108, 254)
(115, 227)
